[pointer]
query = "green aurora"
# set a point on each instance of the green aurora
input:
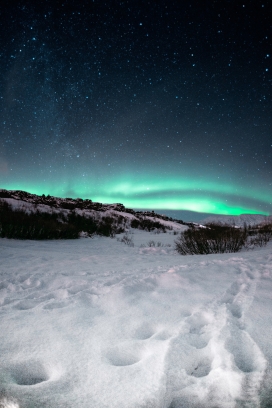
(156, 194)
(155, 105)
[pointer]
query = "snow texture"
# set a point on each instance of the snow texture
(96, 323)
(239, 220)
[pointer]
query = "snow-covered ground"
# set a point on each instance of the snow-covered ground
(94, 323)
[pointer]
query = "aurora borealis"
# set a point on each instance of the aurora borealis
(156, 105)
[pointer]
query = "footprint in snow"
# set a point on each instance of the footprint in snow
(125, 354)
(210, 346)
(27, 373)
(144, 332)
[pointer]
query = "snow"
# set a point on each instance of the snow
(238, 220)
(97, 323)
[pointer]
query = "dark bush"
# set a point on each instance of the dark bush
(81, 223)
(106, 227)
(213, 239)
(147, 224)
(266, 229)
(135, 223)
(22, 225)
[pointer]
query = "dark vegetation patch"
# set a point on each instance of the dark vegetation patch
(79, 203)
(218, 238)
(48, 217)
(147, 224)
(22, 224)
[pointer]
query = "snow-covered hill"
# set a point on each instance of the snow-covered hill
(32, 203)
(238, 220)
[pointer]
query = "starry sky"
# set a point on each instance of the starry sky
(153, 104)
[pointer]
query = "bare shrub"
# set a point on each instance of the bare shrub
(128, 240)
(259, 240)
(153, 244)
(211, 240)
(259, 236)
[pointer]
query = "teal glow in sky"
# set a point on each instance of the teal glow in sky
(157, 105)
(169, 194)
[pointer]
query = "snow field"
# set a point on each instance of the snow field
(96, 323)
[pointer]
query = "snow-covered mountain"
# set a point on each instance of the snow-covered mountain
(238, 220)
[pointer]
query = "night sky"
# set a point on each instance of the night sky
(153, 104)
